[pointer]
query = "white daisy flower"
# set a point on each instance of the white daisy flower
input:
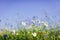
(46, 24)
(13, 31)
(24, 23)
(34, 34)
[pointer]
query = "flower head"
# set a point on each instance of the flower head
(5, 35)
(24, 23)
(46, 24)
(13, 31)
(34, 34)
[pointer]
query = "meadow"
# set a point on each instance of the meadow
(37, 30)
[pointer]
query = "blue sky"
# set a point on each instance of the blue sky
(13, 11)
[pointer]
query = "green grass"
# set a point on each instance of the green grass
(28, 34)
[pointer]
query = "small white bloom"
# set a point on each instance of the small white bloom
(46, 24)
(24, 23)
(13, 31)
(34, 34)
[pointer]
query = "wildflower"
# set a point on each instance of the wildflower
(24, 23)
(5, 35)
(46, 24)
(13, 32)
(34, 34)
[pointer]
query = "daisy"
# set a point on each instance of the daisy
(13, 31)
(34, 34)
(24, 23)
(46, 24)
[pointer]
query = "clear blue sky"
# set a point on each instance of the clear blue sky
(11, 11)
